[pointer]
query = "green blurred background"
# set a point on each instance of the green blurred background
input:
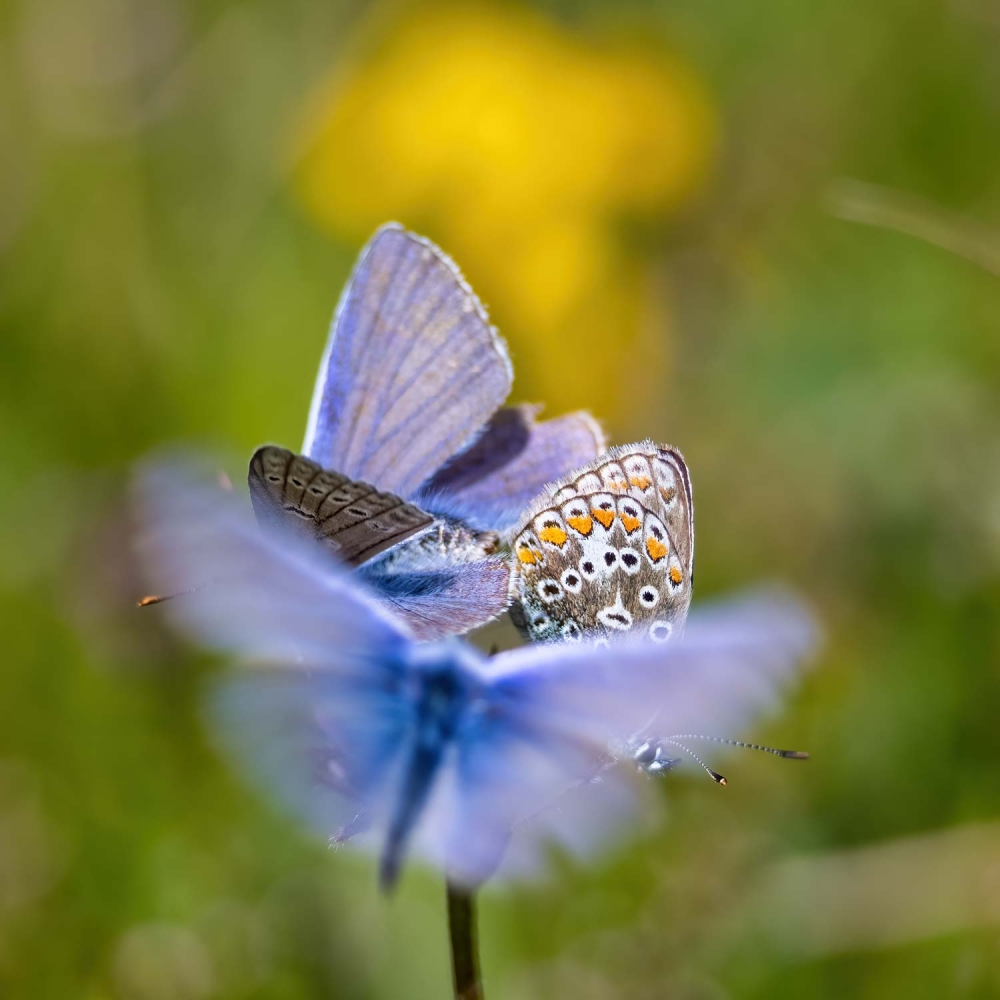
(767, 233)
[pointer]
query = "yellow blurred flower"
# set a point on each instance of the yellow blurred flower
(517, 146)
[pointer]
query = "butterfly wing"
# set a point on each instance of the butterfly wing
(494, 479)
(261, 595)
(609, 550)
(327, 754)
(412, 368)
(732, 663)
(353, 520)
(322, 719)
(535, 769)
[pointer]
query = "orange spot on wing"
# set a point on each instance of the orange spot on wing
(618, 485)
(668, 493)
(552, 533)
(526, 556)
(657, 550)
(641, 482)
(676, 576)
(583, 524)
(631, 523)
(604, 516)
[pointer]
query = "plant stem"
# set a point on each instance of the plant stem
(464, 944)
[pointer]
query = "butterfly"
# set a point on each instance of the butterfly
(410, 467)
(431, 749)
(608, 550)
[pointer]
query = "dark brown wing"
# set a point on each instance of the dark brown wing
(352, 519)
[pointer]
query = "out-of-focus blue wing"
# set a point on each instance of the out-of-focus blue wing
(493, 480)
(265, 596)
(412, 368)
(732, 663)
(326, 753)
(321, 721)
(510, 777)
(535, 761)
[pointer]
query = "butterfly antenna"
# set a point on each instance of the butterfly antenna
(790, 754)
(714, 775)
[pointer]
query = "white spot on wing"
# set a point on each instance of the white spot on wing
(616, 616)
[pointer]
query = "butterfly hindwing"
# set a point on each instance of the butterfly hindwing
(411, 371)
(496, 477)
(353, 519)
(608, 551)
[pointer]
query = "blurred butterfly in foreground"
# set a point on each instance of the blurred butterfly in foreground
(407, 399)
(476, 765)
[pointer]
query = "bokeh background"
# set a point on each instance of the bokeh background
(767, 233)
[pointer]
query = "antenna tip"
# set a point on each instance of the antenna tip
(718, 777)
(145, 602)
(795, 754)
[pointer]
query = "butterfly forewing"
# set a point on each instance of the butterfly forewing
(496, 477)
(608, 551)
(412, 370)
(353, 519)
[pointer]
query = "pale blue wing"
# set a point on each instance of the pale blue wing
(492, 481)
(264, 596)
(733, 662)
(534, 771)
(510, 784)
(412, 368)
(326, 753)
(448, 600)
(320, 721)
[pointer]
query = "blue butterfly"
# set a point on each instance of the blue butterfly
(408, 400)
(475, 764)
